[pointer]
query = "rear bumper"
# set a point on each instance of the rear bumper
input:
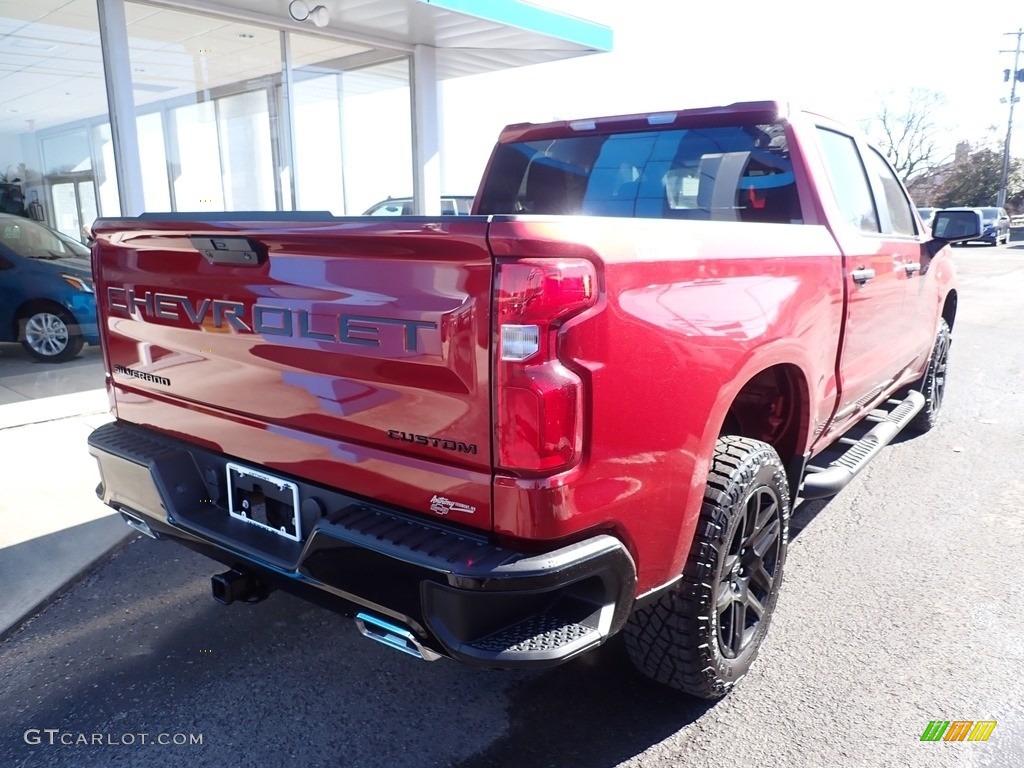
(461, 595)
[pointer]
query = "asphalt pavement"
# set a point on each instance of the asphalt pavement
(901, 605)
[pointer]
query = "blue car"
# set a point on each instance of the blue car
(46, 293)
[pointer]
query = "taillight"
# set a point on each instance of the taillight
(539, 423)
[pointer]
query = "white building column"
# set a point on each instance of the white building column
(117, 70)
(426, 131)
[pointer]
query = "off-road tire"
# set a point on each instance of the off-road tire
(678, 639)
(933, 384)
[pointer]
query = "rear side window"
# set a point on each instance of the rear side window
(724, 173)
(849, 180)
(896, 201)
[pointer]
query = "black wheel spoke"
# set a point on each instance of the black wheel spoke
(726, 597)
(751, 602)
(737, 625)
(765, 539)
(761, 579)
(768, 517)
(729, 565)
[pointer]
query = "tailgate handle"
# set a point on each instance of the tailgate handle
(237, 251)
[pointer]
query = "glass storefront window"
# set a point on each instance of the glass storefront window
(205, 91)
(247, 162)
(217, 127)
(67, 153)
(153, 156)
(197, 174)
(316, 101)
(377, 133)
(106, 175)
(55, 104)
(212, 116)
(317, 95)
(71, 183)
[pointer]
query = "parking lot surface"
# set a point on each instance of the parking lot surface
(902, 604)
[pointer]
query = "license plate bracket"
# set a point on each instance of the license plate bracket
(265, 501)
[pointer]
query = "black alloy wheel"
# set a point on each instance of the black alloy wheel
(933, 384)
(748, 573)
(701, 636)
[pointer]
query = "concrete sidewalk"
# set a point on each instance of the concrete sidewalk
(52, 526)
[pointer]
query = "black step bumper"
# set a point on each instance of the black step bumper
(461, 595)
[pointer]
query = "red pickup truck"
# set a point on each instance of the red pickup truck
(587, 408)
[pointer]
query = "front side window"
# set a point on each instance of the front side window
(849, 180)
(720, 173)
(896, 202)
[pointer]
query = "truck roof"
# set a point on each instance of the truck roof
(766, 111)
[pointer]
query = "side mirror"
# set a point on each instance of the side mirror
(956, 226)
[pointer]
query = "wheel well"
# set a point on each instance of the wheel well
(773, 407)
(949, 309)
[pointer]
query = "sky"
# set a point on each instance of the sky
(843, 60)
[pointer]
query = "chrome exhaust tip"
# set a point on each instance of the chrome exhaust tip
(138, 523)
(393, 636)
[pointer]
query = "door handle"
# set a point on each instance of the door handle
(912, 268)
(862, 275)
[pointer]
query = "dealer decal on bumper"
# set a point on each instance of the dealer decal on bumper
(443, 506)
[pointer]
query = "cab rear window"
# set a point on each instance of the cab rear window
(723, 173)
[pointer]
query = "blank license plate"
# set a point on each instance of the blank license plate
(264, 501)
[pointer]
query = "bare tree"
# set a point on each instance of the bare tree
(906, 130)
(975, 180)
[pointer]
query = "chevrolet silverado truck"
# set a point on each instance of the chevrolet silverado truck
(587, 408)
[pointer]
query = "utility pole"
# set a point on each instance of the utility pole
(1014, 77)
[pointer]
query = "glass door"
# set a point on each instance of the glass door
(74, 205)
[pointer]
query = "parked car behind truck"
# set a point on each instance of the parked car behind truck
(46, 293)
(457, 205)
(586, 409)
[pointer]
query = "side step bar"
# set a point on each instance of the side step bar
(822, 482)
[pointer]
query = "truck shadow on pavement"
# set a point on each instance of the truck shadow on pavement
(596, 711)
(805, 513)
(139, 646)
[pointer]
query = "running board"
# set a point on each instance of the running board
(822, 482)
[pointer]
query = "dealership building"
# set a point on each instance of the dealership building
(109, 107)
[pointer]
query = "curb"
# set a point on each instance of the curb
(87, 569)
(89, 403)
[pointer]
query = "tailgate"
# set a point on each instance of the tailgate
(342, 351)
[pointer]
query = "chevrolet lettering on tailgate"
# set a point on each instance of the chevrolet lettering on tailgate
(264, 319)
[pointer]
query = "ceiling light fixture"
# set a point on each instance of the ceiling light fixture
(300, 11)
